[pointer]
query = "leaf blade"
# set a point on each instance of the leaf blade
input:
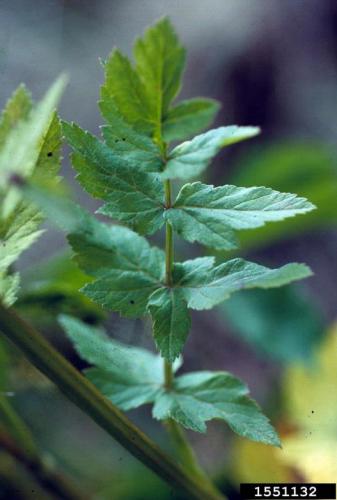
(9, 287)
(189, 117)
(214, 284)
(209, 214)
(128, 376)
(17, 108)
(137, 149)
(23, 144)
(124, 87)
(132, 196)
(201, 396)
(171, 321)
(159, 62)
(192, 157)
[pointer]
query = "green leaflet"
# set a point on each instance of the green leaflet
(124, 87)
(22, 147)
(18, 232)
(19, 220)
(9, 286)
(17, 109)
(205, 285)
(129, 376)
(188, 118)
(159, 63)
(132, 376)
(208, 214)
(49, 160)
(20, 229)
(127, 268)
(201, 396)
(124, 291)
(132, 196)
(171, 321)
(137, 149)
(192, 157)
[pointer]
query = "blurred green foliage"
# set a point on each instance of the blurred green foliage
(52, 287)
(282, 324)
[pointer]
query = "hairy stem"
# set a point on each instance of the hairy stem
(84, 394)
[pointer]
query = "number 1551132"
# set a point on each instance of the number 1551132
(322, 491)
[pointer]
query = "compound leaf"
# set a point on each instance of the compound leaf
(201, 396)
(205, 285)
(131, 377)
(189, 117)
(208, 214)
(171, 321)
(132, 196)
(192, 157)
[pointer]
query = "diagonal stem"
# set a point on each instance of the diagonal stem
(81, 392)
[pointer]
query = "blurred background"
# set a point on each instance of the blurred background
(270, 63)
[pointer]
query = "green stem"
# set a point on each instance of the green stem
(186, 452)
(81, 392)
(169, 237)
(184, 449)
(168, 375)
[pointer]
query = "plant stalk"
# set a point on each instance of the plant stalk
(185, 451)
(85, 395)
(169, 237)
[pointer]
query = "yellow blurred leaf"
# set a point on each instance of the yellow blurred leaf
(256, 462)
(310, 395)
